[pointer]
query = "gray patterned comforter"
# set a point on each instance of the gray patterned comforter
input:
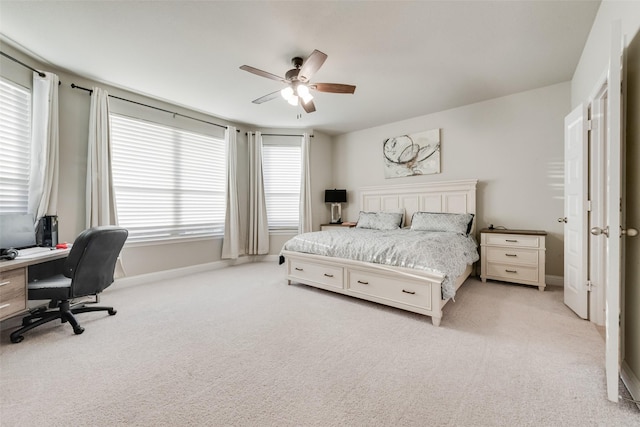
(440, 252)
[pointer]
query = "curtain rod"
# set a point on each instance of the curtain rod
(75, 86)
(278, 134)
(40, 73)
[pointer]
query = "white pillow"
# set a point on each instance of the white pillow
(441, 221)
(380, 220)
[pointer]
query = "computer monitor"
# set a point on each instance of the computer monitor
(17, 231)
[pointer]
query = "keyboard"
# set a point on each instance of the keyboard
(33, 252)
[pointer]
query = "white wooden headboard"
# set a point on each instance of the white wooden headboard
(445, 196)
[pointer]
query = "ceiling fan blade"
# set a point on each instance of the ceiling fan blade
(309, 107)
(333, 87)
(269, 97)
(311, 65)
(262, 73)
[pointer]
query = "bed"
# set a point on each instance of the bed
(410, 285)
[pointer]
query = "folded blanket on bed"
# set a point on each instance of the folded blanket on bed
(440, 252)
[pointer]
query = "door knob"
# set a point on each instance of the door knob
(631, 232)
(563, 219)
(596, 231)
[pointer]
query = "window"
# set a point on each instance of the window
(15, 147)
(282, 169)
(168, 182)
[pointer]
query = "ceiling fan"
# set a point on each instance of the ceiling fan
(297, 79)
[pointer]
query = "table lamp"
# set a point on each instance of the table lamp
(336, 198)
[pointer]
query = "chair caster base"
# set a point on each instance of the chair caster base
(112, 312)
(78, 330)
(16, 339)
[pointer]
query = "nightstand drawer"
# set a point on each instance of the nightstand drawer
(512, 272)
(518, 240)
(512, 255)
(13, 297)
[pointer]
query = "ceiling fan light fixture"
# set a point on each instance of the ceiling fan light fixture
(307, 98)
(302, 90)
(287, 92)
(293, 100)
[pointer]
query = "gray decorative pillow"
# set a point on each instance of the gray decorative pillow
(440, 221)
(380, 220)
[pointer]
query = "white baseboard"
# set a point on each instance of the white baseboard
(192, 269)
(554, 280)
(631, 381)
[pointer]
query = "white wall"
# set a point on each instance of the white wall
(513, 145)
(594, 61)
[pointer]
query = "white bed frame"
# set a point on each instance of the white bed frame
(413, 290)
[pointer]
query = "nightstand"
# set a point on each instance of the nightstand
(324, 227)
(516, 256)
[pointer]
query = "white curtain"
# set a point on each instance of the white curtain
(231, 242)
(43, 182)
(100, 197)
(306, 223)
(258, 239)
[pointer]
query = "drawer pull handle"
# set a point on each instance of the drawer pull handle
(4, 306)
(511, 240)
(6, 282)
(328, 275)
(510, 254)
(408, 292)
(511, 271)
(363, 283)
(299, 269)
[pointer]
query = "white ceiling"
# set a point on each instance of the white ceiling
(406, 58)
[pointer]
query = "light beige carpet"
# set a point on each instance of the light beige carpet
(239, 347)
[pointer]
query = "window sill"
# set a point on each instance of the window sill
(171, 240)
(280, 232)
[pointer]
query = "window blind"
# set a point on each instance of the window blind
(168, 182)
(15, 147)
(281, 165)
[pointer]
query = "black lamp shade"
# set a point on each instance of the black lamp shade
(335, 196)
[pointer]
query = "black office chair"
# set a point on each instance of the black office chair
(88, 270)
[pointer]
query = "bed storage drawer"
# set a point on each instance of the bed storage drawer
(319, 274)
(405, 292)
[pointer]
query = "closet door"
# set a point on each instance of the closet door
(615, 172)
(575, 210)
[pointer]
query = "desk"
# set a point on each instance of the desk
(15, 274)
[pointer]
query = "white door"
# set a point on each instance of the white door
(614, 252)
(575, 210)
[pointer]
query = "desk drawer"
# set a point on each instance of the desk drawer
(13, 292)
